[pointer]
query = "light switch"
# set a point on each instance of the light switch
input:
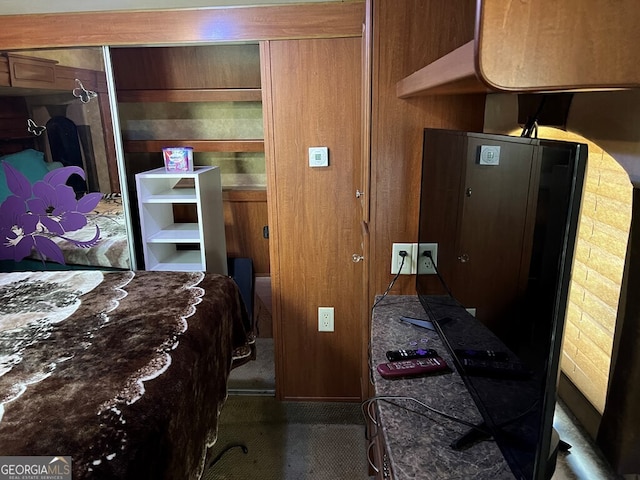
(318, 157)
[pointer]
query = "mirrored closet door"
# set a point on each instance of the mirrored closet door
(61, 194)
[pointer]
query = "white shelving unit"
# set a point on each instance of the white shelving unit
(168, 245)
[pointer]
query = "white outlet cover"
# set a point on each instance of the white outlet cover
(318, 156)
(325, 319)
(489, 155)
(396, 259)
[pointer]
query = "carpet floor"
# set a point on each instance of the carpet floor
(289, 441)
(256, 377)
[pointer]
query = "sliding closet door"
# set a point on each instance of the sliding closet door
(312, 98)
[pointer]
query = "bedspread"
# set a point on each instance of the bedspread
(125, 372)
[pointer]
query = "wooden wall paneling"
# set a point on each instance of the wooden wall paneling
(313, 98)
(245, 216)
(188, 26)
(407, 36)
(187, 67)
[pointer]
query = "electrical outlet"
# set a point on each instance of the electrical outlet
(424, 264)
(396, 258)
(325, 319)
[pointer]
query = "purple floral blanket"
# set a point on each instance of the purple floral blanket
(125, 372)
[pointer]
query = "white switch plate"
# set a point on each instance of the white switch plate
(318, 156)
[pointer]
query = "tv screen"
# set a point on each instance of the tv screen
(503, 212)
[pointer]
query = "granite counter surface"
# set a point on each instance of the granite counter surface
(417, 439)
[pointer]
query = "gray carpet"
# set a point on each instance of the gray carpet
(256, 377)
(289, 441)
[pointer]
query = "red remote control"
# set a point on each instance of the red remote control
(412, 368)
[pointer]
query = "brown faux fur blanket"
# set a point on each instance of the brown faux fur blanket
(125, 372)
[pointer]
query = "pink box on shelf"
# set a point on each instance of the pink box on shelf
(178, 159)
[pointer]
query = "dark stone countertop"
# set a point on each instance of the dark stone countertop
(417, 440)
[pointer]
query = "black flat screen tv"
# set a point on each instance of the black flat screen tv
(503, 212)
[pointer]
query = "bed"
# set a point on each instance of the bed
(126, 372)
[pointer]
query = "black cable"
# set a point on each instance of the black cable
(388, 399)
(225, 450)
(532, 122)
(403, 254)
(427, 254)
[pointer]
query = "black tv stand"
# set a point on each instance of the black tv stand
(480, 433)
(477, 434)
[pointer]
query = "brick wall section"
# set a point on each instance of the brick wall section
(597, 273)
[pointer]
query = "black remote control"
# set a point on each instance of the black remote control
(397, 355)
(491, 368)
(482, 354)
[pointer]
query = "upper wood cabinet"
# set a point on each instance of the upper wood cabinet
(30, 72)
(541, 46)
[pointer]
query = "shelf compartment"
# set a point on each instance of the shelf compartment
(191, 95)
(161, 187)
(160, 226)
(147, 146)
(176, 233)
(178, 195)
(167, 257)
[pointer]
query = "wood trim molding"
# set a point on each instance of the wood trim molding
(143, 146)
(164, 27)
(244, 194)
(452, 73)
(199, 95)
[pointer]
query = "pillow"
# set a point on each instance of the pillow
(53, 165)
(4, 188)
(28, 162)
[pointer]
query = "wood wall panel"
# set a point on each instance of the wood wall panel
(245, 216)
(189, 67)
(166, 27)
(407, 36)
(313, 98)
